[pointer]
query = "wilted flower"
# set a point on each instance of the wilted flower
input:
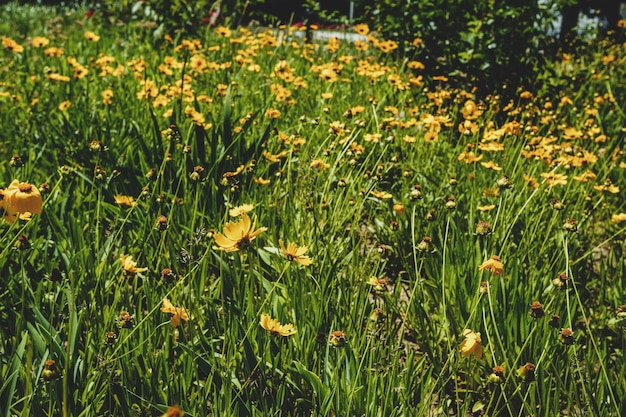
(483, 228)
(110, 337)
(555, 321)
(621, 311)
(425, 245)
(237, 235)
(130, 266)
(176, 312)
(536, 310)
(379, 284)
(471, 344)
(566, 336)
(22, 242)
(571, 225)
(275, 328)
(497, 375)
(50, 370)
(161, 223)
(167, 276)
(494, 265)
(337, 338)
(295, 253)
(527, 372)
(125, 320)
(557, 204)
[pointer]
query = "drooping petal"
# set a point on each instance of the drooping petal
(223, 242)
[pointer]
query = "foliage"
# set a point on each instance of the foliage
(410, 246)
(487, 43)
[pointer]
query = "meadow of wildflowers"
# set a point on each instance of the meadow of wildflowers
(248, 223)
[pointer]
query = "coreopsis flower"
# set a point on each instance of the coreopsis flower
(555, 321)
(110, 337)
(425, 245)
(125, 320)
(107, 96)
(497, 375)
(177, 313)
(125, 200)
(483, 228)
(161, 223)
(39, 41)
(12, 45)
(362, 29)
(237, 235)
(91, 36)
(552, 178)
(20, 198)
(22, 242)
(527, 372)
(295, 253)
(560, 282)
(494, 265)
(571, 225)
(50, 370)
(239, 210)
(379, 284)
(471, 344)
(174, 411)
(275, 328)
(337, 338)
(383, 195)
(566, 336)
(618, 218)
(130, 266)
(536, 310)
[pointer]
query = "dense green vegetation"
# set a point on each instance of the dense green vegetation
(429, 248)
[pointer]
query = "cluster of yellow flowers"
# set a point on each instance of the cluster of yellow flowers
(20, 199)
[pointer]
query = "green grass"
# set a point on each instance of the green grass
(350, 143)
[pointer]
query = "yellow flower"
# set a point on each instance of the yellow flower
(174, 411)
(64, 105)
(9, 214)
(552, 178)
(486, 208)
(295, 253)
(130, 266)
(275, 328)
(22, 197)
(11, 45)
(491, 165)
(239, 210)
(237, 235)
(90, 36)
(107, 96)
(39, 41)
(494, 265)
(471, 344)
(362, 29)
(176, 312)
(125, 200)
(383, 195)
(618, 218)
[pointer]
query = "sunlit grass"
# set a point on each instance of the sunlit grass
(252, 224)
